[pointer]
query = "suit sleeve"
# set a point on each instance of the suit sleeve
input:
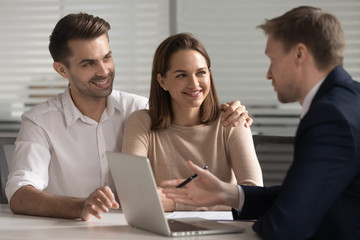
(257, 201)
(324, 164)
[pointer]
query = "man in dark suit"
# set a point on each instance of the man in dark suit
(320, 196)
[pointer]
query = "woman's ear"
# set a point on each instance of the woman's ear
(61, 69)
(161, 81)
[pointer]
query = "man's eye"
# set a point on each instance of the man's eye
(107, 57)
(88, 64)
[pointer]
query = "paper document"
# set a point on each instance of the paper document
(211, 215)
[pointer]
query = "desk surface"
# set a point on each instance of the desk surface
(111, 226)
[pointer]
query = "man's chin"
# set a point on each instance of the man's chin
(104, 93)
(281, 98)
(285, 100)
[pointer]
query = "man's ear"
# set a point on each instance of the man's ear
(301, 52)
(161, 81)
(61, 69)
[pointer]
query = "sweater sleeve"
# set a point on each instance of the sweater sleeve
(137, 133)
(243, 157)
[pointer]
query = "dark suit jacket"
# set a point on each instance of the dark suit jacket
(320, 196)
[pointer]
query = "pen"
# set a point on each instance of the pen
(189, 179)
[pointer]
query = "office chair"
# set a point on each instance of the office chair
(6, 151)
(275, 155)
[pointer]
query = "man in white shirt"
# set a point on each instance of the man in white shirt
(59, 168)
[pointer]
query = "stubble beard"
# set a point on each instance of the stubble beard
(85, 90)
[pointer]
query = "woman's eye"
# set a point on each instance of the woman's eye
(180, 76)
(201, 73)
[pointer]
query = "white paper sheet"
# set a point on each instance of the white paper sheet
(212, 215)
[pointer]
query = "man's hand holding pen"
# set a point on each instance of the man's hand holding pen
(189, 179)
(206, 191)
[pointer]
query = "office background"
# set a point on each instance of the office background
(226, 28)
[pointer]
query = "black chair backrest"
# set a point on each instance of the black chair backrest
(6, 144)
(275, 155)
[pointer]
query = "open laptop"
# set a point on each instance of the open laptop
(136, 188)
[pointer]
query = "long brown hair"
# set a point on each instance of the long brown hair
(160, 100)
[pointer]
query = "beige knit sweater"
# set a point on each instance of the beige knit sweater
(227, 151)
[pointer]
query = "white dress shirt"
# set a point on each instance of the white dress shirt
(309, 97)
(61, 151)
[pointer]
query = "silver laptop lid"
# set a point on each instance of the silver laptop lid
(142, 208)
(136, 187)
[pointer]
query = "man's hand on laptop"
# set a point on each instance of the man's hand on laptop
(101, 200)
(167, 203)
(205, 190)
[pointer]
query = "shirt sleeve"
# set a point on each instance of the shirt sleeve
(30, 162)
(241, 199)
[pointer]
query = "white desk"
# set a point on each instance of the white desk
(111, 226)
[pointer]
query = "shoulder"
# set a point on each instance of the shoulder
(336, 98)
(230, 129)
(339, 91)
(126, 100)
(338, 103)
(142, 114)
(333, 116)
(139, 117)
(129, 97)
(50, 108)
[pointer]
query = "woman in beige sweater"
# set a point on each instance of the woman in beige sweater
(183, 122)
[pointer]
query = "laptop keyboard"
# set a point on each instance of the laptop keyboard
(177, 226)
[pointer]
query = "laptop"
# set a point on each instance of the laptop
(137, 191)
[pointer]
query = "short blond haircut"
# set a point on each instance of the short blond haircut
(321, 32)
